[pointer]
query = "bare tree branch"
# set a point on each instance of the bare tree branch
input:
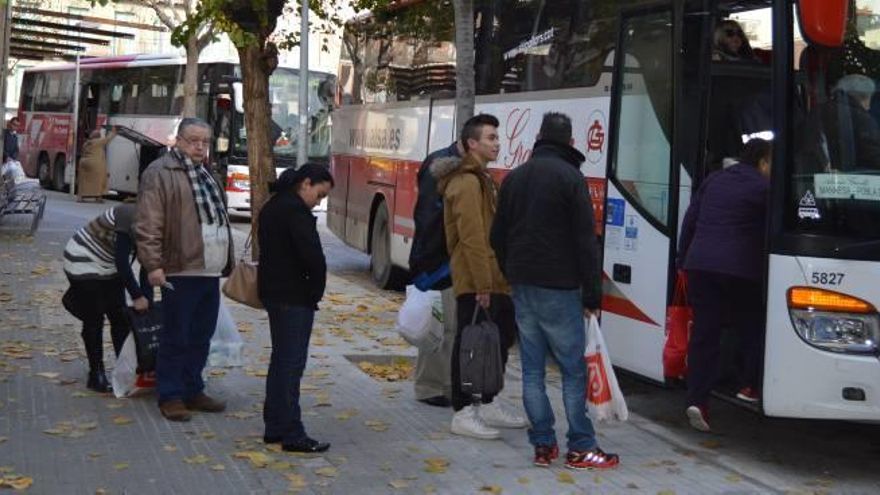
(163, 16)
(206, 38)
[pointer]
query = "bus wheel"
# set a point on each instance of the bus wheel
(385, 274)
(44, 172)
(58, 174)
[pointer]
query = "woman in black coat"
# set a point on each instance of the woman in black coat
(722, 248)
(292, 275)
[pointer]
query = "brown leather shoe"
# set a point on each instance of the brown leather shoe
(175, 410)
(205, 403)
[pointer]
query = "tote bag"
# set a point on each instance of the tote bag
(241, 286)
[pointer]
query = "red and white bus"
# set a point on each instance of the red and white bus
(654, 113)
(143, 94)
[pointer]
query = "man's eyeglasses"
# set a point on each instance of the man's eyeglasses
(731, 32)
(195, 142)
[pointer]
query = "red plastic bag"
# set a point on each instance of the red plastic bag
(679, 318)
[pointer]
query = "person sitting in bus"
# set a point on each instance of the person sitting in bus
(722, 250)
(92, 176)
(841, 134)
(730, 43)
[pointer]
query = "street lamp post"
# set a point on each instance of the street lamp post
(302, 154)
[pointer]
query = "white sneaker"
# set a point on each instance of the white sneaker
(469, 424)
(495, 415)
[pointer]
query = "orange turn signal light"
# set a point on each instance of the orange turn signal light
(826, 300)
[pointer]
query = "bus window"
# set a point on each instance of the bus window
(834, 187)
(532, 45)
(28, 89)
(642, 152)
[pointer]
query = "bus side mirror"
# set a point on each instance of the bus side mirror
(823, 22)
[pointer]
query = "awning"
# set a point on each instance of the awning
(38, 34)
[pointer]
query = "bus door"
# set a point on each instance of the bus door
(641, 210)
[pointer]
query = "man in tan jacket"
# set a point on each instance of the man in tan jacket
(184, 242)
(469, 198)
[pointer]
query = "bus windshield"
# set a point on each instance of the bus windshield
(834, 187)
(284, 100)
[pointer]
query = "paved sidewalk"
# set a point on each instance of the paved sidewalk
(71, 441)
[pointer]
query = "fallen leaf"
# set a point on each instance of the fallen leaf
(257, 459)
(733, 478)
(710, 444)
(491, 489)
(436, 465)
(16, 482)
(399, 484)
(170, 448)
(241, 415)
(666, 492)
(208, 435)
(522, 480)
(297, 481)
(327, 472)
(122, 420)
(376, 425)
(198, 459)
(218, 467)
(564, 477)
(346, 414)
(3, 439)
(119, 466)
(51, 375)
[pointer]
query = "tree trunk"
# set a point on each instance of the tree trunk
(464, 62)
(256, 67)
(191, 77)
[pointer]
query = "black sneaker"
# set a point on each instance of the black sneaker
(306, 445)
(437, 401)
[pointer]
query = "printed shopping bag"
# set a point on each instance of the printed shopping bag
(604, 398)
(146, 327)
(679, 317)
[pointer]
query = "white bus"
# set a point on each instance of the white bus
(143, 96)
(654, 114)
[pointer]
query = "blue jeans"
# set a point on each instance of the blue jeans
(291, 328)
(552, 321)
(189, 318)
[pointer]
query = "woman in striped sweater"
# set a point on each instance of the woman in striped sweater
(97, 262)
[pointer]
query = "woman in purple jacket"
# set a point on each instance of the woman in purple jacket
(722, 248)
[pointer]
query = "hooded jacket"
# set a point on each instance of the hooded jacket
(469, 199)
(544, 230)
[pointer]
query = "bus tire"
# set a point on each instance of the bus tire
(384, 273)
(44, 171)
(58, 174)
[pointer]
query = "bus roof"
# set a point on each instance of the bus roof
(138, 60)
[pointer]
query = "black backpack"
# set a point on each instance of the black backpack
(482, 371)
(428, 253)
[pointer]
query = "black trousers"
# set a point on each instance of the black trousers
(95, 300)
(501, 312)
(717, 298)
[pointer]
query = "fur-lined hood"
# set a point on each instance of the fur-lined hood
(444, 169)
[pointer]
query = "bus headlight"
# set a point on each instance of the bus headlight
(834, 321)
(840, 332)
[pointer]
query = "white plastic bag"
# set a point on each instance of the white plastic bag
(125, 378)
(420, 320)
(13, 169)
(226, 343)
(604, 399)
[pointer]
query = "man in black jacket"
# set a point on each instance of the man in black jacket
(428, 255)
(544, 238)
(10, 140)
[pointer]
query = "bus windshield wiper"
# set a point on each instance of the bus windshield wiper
(857, 245)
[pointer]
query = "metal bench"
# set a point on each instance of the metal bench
(21, 200)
